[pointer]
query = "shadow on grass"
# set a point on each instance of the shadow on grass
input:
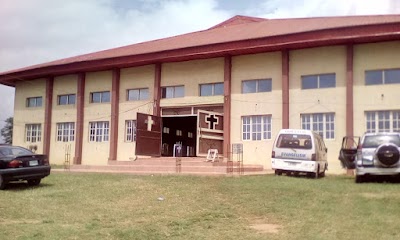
(395, 179)
(22, 186)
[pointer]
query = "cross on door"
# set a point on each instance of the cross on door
(149, 123)
(212, 121)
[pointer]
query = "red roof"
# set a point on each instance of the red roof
(237, 29)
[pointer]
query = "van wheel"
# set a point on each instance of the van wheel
(323, 172)
(316, 174)
(278, 172)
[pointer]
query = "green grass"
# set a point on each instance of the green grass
(111, 206)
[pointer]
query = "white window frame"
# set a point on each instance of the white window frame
(173, 89)
(35, 102)
(68, 99)
(321, 123)
(101, 97)
(178, 133)
(318, 76)
(383, 73)
(140, 94)
(130, 130)
(33, 132)
(65, 132)
(257, 81)
(99, 131)
(375, 121)
(256, 127)
(212, 89)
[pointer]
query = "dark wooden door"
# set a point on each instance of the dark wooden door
(210, 132)
(148, 135)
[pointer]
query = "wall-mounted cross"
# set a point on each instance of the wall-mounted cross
(212, 121)
(149, 123)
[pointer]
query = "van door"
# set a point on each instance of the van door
(323, 150)
(348, 151)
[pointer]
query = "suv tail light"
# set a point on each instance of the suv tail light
(313, 157)
(273, 154)
(14, 164)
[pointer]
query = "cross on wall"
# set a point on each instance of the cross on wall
(149, 122)
(212, 121)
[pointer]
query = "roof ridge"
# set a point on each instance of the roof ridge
(238, 19)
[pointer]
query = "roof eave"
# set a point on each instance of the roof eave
(355, 34)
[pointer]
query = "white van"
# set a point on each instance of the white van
(299, 151)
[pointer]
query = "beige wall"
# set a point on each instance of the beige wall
(257, 66)
(132, 78)
(374, 56)
(24, 115)
(329, 100)
(96, 153)
(191, 74)
(61, 114)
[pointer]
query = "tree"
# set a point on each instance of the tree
(7, 130)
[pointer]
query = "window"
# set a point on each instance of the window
(137, 94)
(256, 127)
(179, 133)
(34, 102)
(65, 132)
(100, 97)
(66, 99)
(166, 130)
(190, 135)
(318, 81)
(130, 130)
(377, 77)
(33, 133)
(173, 92)
(382, 121)
(99, 131)
(254, 86)
(212, 89)
(321, 123)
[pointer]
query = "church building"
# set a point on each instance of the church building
(235, 84)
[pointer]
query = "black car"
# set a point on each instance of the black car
(18, 163)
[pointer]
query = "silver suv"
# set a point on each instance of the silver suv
(378, 154)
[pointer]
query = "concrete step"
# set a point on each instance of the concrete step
(169, 166)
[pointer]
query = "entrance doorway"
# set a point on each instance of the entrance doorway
(179, 131)
(194, 130)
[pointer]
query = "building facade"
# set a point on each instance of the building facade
(239, 82)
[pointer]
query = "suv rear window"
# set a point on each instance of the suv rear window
(294, 141)
(375, 141)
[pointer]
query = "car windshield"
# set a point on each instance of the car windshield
(294, 141)
(13, 151)
(375, 141)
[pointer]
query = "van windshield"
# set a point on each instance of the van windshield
(374, 141)
(294, 141)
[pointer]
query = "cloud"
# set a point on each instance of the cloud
(313, 8)
(43, 30)
(38, 31)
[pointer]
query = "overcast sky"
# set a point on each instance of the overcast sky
(38, 31)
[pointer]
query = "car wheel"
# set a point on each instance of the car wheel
(388, 154)
(359, 179)
(278, 172)
(2, 183)
(34, 182)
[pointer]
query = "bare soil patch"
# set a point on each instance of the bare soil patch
(266, 227)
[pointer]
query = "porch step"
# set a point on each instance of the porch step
(195, 166)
